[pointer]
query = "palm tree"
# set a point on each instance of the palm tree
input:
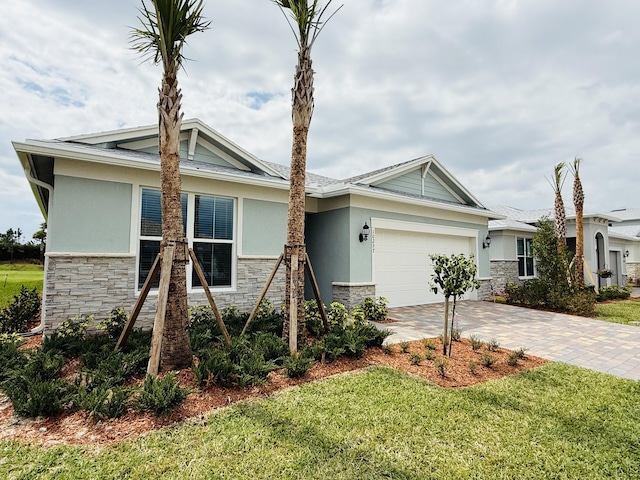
(306, 26)
(578, 202)
(559, 212)
(165, 28)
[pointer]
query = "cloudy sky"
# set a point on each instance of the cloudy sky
(498, 90)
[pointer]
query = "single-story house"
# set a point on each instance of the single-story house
(609, 243)
(368, 235)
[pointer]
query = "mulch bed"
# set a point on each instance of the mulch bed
(78, 429)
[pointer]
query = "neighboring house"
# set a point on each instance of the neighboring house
(606, 245)
(626, 232)
(100, 196)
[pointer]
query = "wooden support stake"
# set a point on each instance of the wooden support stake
(212, 302)
(263, 293)
(293, 303)
(148, 283)
(316, 292)
(161, 311)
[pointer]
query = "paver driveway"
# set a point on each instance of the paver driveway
(601, 346)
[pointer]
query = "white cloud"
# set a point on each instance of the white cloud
(500, 91)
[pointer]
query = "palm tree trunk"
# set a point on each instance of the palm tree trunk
(302, 110)
(176, 347)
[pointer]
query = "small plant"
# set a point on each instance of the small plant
(487, 360)
(297, 366)
(428, 344)
(312, 318)
(476, 343)
(161, 395)
(521, 353)
(375, 310)
(12, 339)
(456, 332)
(357, 314)
(337, 315)
(114, 324)
(441, 367)
(415, 359)
(493, 345)
(34, 397)
(512, 359)
(103, 402)
(430, 355)
(473, 367)
(387, 349)
(404, 346)
(75, 328)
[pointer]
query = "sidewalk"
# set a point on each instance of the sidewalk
(601, 346)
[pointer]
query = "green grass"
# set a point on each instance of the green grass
(13, 276)
(626, 311)
(557, 421)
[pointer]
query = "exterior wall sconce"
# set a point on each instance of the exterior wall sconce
(626, 253)
(364, 233)
(487, 242)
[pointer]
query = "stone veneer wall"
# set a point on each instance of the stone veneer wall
(503, 272)
(352, 294)
(94, 284)
(633, 271)
(484, 292)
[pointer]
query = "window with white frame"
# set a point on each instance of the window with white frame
(208, 224)
(525, 257)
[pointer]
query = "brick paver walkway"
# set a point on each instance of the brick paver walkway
(594, 344)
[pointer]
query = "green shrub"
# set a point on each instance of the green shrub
(108, 367)
(430, 355)
(520, 353)
(404, 347)
(271, 347)
(354, 343)
(214, 367)
(297, 366)
(11, 357)
(456, 334)
(387, 349)
(476, 343)
(338, 315)
(312, 318)
(103, 402)
(441, 367)
(114, 324)
(161, 395)
(473, 367)
(357, 314)
(253, 369)
(35, 397)
(428, 344)
(512, 359)
(22, 309)
(614, 292)
(493, 345)
(487, 360)
(415, 359)
(42, 366)
(375, 310)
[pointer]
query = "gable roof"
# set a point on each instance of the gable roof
(533, 216)
(206, 153)
(627, 213)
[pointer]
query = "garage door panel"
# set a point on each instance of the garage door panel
(402, 267)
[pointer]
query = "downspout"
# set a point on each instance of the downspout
(42, 184)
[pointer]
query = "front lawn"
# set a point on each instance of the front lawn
(557, 421)
(14, 276)
(626, 312)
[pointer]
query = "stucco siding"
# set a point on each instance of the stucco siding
(89, 216)
(264, 227)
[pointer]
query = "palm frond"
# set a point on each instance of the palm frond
(306, 18)
(165, 28)
(575, 166)
(557, 181)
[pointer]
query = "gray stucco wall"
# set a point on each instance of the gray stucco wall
(89, 216)
(264, 227)
(94, 284)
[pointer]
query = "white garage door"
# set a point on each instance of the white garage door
(402, 267)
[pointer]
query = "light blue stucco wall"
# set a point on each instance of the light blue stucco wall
(264, 227)
(338, 255)
(91, 216)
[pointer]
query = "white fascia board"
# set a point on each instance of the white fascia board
(395, 172)
(114, 135)
(112, 158)
(342, 189)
